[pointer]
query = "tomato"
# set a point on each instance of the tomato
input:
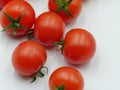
(69, 10)
(79, 46)
(49, 28)
(28, 57)
(3, 3)
(66, 78)
(17, 17)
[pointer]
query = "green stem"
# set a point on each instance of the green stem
(39, 73)
(14, 24)
(63, 5)
(30, 34)
(62, 87)
(59, 43)
(34, 78)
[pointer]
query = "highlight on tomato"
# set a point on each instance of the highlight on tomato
(28, 59)
(69, 10)
(66, 78)
(48, 28)
(79, 46)
(17, 17)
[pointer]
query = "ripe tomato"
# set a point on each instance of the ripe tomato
(69, 10)
(49, 28)
(66, 78)
(17, 17)
(79, 46)
(28, 57)
(3, 3)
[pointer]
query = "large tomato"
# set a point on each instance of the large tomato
(66, 78)
(49, 28)
(79, 46)
(17, 17)
(28, 57)
(69, 10)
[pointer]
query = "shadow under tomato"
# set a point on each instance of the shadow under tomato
(22, 78)
(86, 1)
(93, 64)
(14, 37)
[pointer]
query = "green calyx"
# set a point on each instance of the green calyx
(30, 34)
(62, 87)
(63, 5)
(39, 73)
(61, 43)
(15, 24)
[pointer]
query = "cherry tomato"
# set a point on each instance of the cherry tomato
(66, 78)
(3, 3)
(28, 57)
(79, 46)
(17, 17)
(49, 28)
(69, 10)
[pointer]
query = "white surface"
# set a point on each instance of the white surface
(102, 19)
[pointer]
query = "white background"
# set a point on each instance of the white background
(102, 19)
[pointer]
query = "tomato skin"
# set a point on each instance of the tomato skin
(3, 3)
(75, 8)
(79, 46)
(70, 77)
(28, 57)
(15, 8)
(49, 28)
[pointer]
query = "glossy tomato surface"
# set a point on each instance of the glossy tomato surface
(79, 46)
(74, 8)
(15, 9)
(3, 3)
(28, 57)
(49, 28)
(66, 77)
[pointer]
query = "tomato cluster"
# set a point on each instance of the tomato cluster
(78, 46)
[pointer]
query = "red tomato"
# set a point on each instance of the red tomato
(79, 46)
(28, 57)
(66, 78)
(69, 10)
(3, 3)
(17, 17)
(49, 28)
